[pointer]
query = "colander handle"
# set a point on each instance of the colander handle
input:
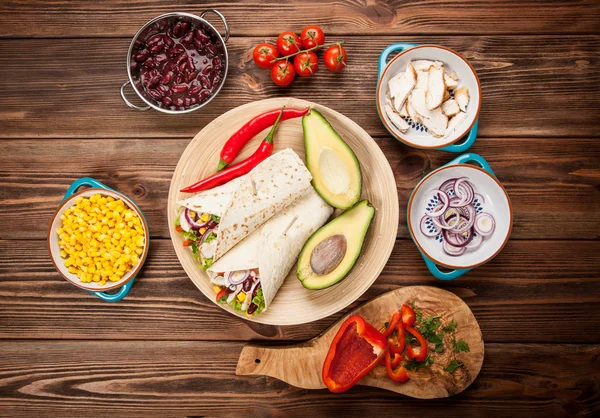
(128, 103)
(473, 158)
(385, 54)
(88, 181)
(443, 275)
(226, 37)
(469, 139)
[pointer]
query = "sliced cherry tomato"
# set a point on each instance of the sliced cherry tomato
(408, 315)
(222, 293)
(187, 242)
(312, 36)
(283, 73)
(263, 54)
(288, 43)
(335, 58)
(400, 375)
(401, 340)
(178, 228)
(392, 325)
(306, 63)
(418, 353)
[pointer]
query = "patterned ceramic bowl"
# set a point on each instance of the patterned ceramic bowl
(69, 201)
(492, 199)
(417, 135)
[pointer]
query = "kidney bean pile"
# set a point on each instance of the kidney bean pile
(179, 67)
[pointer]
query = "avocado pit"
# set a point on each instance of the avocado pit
(328, 254)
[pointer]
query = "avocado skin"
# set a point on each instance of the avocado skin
(334, 200)
(353, 224)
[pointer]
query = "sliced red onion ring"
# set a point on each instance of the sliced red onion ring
(475, 242)
(238, 277)
(464, 190)
(441, 223)
(183, 221)
(438, 210)
(233, 294)
(453, 251)
(428, 231)
(485, 224)
(191, 222)
(448, 185)
(479, 197)
(457, 240)
(203, 237)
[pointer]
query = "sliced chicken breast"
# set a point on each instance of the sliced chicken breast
(451, 83)
(434, 120)
(462, 97)
(424, 65)
(411, 110)
(454, 123)
(404, 110)
(436, 88)
(450, 108)
(398, 122)
(422, 77)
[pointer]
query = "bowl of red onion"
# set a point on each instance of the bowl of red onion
(177, 63)
(459, 216)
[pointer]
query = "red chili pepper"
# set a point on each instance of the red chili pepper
(408, 315)
(355, 350)
(392, 325)
(417, 353)
(236, 142)
(243, 167)
(401, 340)
(222, 293)
(399, 376)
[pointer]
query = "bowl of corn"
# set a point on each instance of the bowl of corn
(98, 239)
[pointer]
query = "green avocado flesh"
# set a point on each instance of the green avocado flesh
(333, 165)
(352, 225)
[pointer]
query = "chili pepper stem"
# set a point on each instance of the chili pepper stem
(269, 138)
(222, 165)
(287, 57)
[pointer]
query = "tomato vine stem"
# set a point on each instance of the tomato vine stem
(287, 57)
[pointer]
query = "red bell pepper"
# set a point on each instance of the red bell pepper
(392, 325)
(401, 340)
(355, 350)
(399, 376)
(394, 358)
(417, 353)
(408, 315)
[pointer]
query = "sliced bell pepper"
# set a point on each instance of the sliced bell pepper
(408, 315)
(395, 359)
(392, 325)
(400, 375)
(401, 340)
(355, 350)
(417, 353)
(178, 228)
(222, 293)
(187, 242)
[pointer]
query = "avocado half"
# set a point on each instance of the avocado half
(333, 165)
(352, 225)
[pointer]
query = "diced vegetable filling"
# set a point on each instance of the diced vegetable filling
(199, 232)
(240, 289)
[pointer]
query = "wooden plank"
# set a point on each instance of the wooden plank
(554, 193)
(119, 18)
(515, 297)
(532, 86)
(142, 378)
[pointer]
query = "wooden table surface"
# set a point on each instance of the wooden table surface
(166, 350)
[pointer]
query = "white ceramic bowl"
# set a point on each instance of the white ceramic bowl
(452, 62)
(496, 203)
(54, 248)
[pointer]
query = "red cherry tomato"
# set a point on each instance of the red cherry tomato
(312, 36)
(335, 58)
(288, 43)
(283, 73)
(306, 63)
(263, 54)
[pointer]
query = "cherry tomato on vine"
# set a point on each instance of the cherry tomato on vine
(312, 36)
(335, 58)
(263, 54)
(306, 63)
(288, 43)
(283, 73)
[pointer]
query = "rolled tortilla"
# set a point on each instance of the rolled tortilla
(249, 201)
(274, 248)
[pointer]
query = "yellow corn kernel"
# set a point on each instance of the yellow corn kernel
(204, 217)
(241, 296)
(63, 254)
(217, 289)
(102, 282)
(73, 270)
(114, 278)
(202, 231)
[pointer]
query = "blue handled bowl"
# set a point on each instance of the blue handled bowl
(417, 135)
(124, 285)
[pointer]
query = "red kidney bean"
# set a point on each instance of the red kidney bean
(188, 39)
(191, 63)
(160, 59)
(167, 101)
(205, 82)
(167, 77)
(179, 88)
(183, 66)
(211, 49)
(207, 70)
(163, 89)
(178, 78)
(190, 76)
(155, 49)
(195, 90)
(171, 66)
(180, 58)
(154, 82)
(154, 40)
(216, 80)
(155, 93)
(185, 26)
(142, 55)
(216, 61)
(177, 30)
(202, 36)
(193, 101)
(168, 41)
(178, 101)
(187, 102)
(198, 45)
(149, 63)
(203, 95)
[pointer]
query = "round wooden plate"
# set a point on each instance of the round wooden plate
(294, 304)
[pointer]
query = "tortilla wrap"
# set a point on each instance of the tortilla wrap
(247, 202)
(270, 251)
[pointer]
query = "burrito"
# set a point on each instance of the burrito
(214, 221)
(249, 276)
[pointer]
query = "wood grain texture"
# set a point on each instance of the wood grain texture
(528, 285)
(176, 379)
(300, 365)
(532, 86)
(554, 185)
(120, 18)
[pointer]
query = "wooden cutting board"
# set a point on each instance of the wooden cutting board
(300, 365)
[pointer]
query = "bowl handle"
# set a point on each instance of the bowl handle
(399, 47)
(88, 181)
(473, 158)
(128, 103)
(226, 37)
(466, 144)
(443, 275)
